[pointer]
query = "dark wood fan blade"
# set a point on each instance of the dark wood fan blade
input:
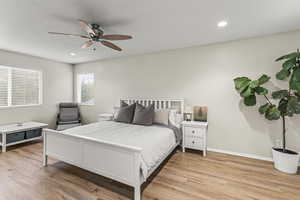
(87, 44)
(86, 27)
(116, 37)
(111, 45)
(67, 34)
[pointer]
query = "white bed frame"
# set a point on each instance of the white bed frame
(102, 157)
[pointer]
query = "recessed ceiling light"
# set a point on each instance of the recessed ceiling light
(72, 54)
(222, 24)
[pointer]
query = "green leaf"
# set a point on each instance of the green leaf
(283, 74)
(261, 91)
(247, 92)
(272, 113)
(241, 83)
(254, 84)
(288, 56)
(289, 64)
(282, 106)
(297, 94)
(280, 94)
(263, 79)
(293, 105)
(263, 109)
(250, 100)
(295, 80)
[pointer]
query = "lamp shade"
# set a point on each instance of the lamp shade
(188, 109)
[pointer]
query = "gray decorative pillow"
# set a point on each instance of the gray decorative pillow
(123, 104)
(143, 115)
(126, 113)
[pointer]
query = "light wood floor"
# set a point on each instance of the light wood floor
(186, 176)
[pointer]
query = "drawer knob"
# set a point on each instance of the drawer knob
(193, 131)
(193, 142)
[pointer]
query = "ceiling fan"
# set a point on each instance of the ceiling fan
(95, 34)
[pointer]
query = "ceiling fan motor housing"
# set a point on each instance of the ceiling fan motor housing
(95, 26)
(97, 29)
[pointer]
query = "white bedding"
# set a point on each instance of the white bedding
(155, 141)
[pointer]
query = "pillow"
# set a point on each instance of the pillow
(116, 111)
(117, 108)
(123, 104)
(161, 117)
(143, 115)
(126, 113)
(175, 119)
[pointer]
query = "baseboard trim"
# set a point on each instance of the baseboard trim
(243, 155)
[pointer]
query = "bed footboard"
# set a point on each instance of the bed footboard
(120, 163)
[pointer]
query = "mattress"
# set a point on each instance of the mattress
(155, 141)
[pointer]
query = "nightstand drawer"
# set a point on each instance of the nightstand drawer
(194, 132)
(194, 142)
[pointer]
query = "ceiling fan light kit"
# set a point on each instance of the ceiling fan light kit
(95, 34)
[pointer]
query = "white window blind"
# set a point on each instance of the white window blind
(85, 89)
(19, 87)
(3, 86)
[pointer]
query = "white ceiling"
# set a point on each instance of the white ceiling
(155, 24)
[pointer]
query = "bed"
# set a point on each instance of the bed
(123, 152)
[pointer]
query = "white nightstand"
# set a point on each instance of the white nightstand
(105, 117)
(194, 135)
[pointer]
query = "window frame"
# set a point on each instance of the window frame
(78, 89)
(9, 88)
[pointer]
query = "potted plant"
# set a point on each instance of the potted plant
(287, 104)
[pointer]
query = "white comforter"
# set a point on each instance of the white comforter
(155, 141)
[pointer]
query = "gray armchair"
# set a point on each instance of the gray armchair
(68, 116)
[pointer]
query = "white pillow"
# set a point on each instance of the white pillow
(167, 117)
(175, 119)
(161, 117)
(116, 111)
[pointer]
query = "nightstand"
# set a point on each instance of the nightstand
(194, 135)
(105, 117)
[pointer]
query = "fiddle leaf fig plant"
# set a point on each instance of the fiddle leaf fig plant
(249, 88)
(285, 102)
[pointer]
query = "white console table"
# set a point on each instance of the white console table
(24, 132)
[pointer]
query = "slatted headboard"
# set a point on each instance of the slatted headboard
(177, 104)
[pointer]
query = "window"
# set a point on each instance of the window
(85, 89)
(20, 87)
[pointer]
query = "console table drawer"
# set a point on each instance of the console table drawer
(14, 137)
(33, 133)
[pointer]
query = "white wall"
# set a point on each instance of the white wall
(57, 87)
(203, 75)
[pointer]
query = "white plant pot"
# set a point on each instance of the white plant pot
(286, 162)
